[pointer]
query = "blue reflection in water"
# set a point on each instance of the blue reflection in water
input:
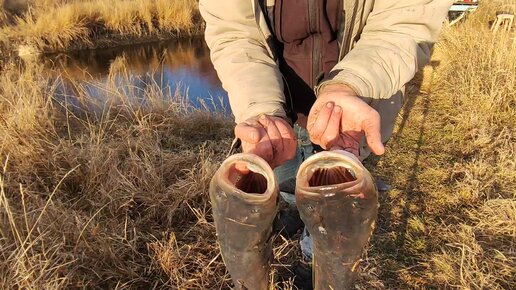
(195, 85)
(177, 67)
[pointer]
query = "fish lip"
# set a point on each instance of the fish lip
(339, 158)
(256, 164)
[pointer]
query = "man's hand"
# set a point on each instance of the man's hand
(338, 119)
(269, 137)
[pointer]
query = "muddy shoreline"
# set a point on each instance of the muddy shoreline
(107, 41)
(15, 50)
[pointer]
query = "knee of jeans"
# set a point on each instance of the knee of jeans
(288, 186)
(287, 170)
(305, 243)
(303, 137)
(288, 197)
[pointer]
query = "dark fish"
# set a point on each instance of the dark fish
(244, 207)
(338, 202)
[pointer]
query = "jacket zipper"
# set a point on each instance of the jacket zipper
(313, 19)
(341, 27)
(347, 41)
(344, 45)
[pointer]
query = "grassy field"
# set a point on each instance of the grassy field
(116, 197)
(62, 25)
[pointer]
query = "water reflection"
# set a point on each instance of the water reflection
(177, 66)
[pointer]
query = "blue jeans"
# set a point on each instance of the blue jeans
(286, 177)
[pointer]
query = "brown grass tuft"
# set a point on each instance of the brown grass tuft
(92, 199)
(63, 25)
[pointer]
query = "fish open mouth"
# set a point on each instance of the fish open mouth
(330, 168)
(330, 176)
(247, 181)
(249, 176)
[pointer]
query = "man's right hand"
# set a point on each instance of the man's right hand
(271, 138)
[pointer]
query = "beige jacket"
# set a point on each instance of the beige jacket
(383, 44)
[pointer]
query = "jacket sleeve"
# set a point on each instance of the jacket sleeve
(243, 63)
(396, 41)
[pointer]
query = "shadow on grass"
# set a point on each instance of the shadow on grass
(396, 210)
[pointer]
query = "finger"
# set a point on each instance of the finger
(275, 137)
(272, 131)
(262, 149)
(251, 132)
(254, 139)
(286, 131)
(371, 129)
(289, 139)
(316, 130)
(348, 142)
(242, 167)
(316, 111)
(332, 132)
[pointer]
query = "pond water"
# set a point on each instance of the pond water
(177, 67)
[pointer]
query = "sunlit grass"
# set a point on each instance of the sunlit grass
(64, 25)
(92, 198)
(449, 221)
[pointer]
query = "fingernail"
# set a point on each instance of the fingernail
(329, 105)
(337, 109)
(262, 117)
(253, 136)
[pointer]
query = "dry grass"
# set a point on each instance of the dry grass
(116, 197)
(450, 222)
(106, 198)
(63, 25)
(112, 197)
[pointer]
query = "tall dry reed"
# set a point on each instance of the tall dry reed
(92, 198)
(65, 25)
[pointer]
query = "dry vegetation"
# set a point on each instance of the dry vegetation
(49, 25)
(116, 197)
(450, 221)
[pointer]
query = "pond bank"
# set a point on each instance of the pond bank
(67, 26)
(178, 66)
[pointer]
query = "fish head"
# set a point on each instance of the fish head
(247, 176)
(330, 172)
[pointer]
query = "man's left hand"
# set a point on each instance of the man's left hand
(339, 118)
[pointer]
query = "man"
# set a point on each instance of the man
(303, 74)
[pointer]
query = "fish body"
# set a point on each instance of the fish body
(244, 207)
(338, 202)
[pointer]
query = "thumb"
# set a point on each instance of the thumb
(251, 133)
(372, 133)
(242, 167)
